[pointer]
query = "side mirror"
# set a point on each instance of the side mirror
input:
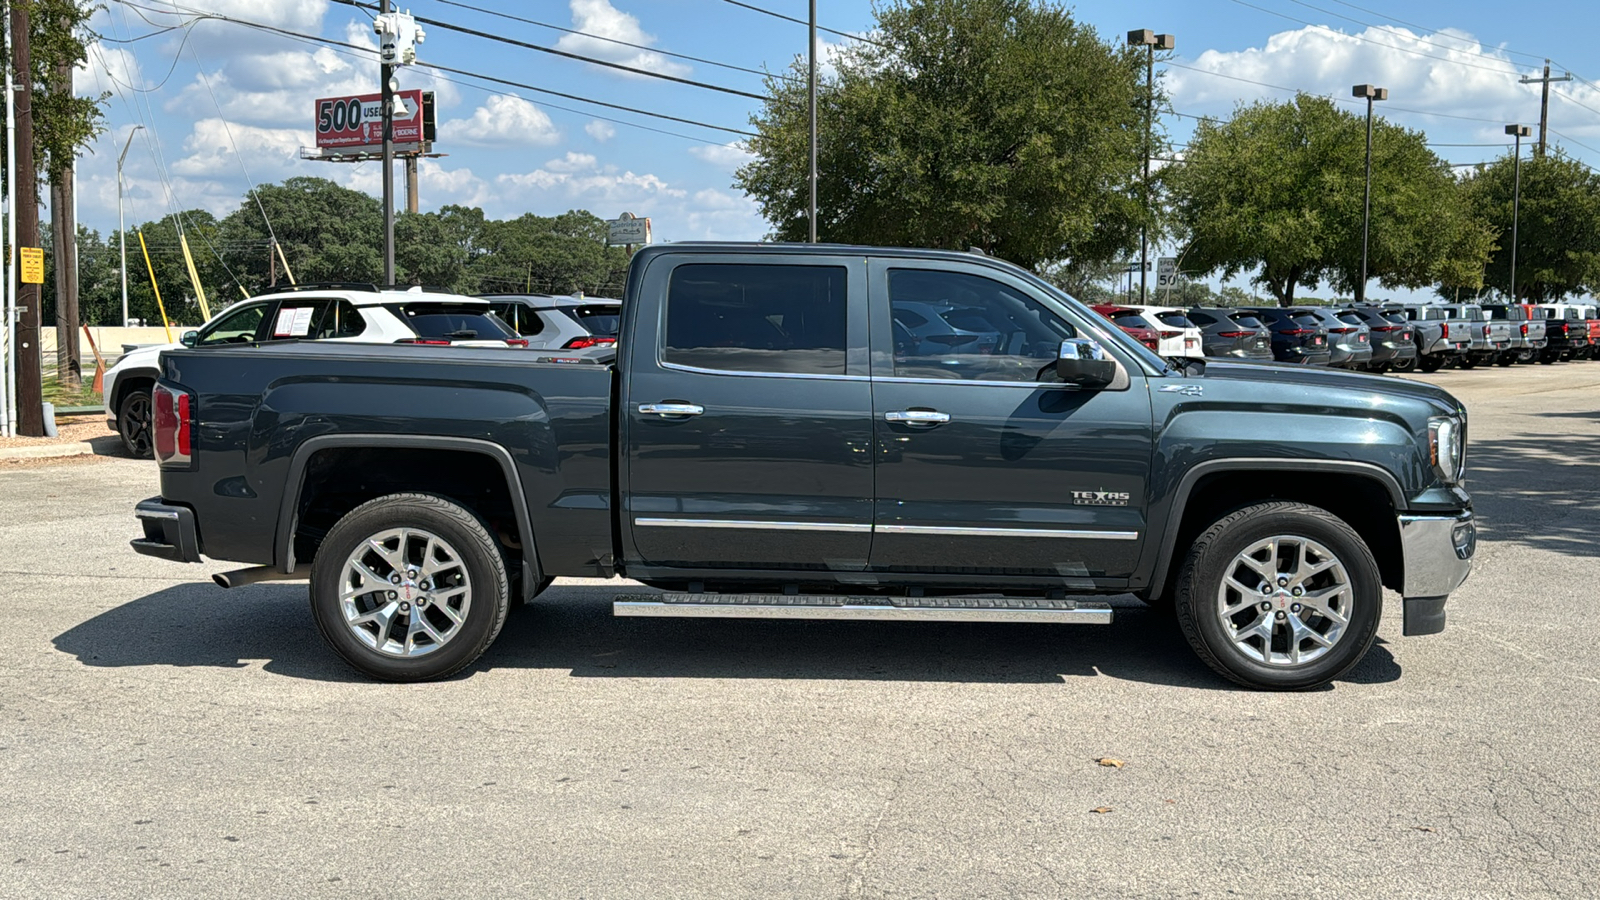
(1083, 362)
(188, 338)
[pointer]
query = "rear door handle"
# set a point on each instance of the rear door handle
(671, 409)
(917, 417)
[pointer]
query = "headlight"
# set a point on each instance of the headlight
(1447, 448)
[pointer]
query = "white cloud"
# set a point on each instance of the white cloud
(724, 156)
(600, 131)
(503, 120)
(268, 151)
(599, 17)
(103, 68)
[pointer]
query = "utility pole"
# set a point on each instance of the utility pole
(386, 74)
(1544, 102)
(64, 228)
(29, 408)
(411, 184)
(1518, 132)
(811, 88)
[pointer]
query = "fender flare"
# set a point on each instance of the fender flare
(288, 508)
(123, 378)
(1167, 549)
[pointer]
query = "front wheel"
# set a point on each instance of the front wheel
(409, 587)
(1280, 596)
(133, 423)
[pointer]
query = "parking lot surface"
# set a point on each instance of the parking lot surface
(162, 737)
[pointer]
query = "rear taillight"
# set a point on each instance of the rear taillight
(1340, 330)
(592, 340)
(173, 420)
(1235, 334)
(424, 341)
(1298, 331)
(1405, 335)
(1524, 329)
(516, 342)
(1153, 344)
(1485, 331)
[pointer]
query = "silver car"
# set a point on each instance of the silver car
(559, 322)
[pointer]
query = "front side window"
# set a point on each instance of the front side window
(975, 328)
(752, 318)
(237, 327)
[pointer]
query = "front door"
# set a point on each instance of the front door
(986, 467)
(748, 417)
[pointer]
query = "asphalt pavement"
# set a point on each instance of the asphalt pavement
(161, 737)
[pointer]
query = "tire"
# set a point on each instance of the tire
(134, 422)
(1403, 365)
(1505, 359)
(379, 632)
(1378, 368)
(1467, 362)
(1243, 646)
(1430, 363)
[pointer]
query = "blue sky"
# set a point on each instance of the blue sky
(202, 89)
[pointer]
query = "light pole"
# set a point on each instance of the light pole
(122, 236)
(1518, 132)
(811, 91)
(1371, 93)
(1144, 37)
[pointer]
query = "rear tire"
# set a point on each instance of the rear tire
(425, 607)
(134, 423)
(1403, 365)
(1280, 596)
(1505, 359)
(1430, 363)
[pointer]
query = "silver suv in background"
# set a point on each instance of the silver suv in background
(559, 322)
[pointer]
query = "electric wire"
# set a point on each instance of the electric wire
(777, 15)
(1337, 99)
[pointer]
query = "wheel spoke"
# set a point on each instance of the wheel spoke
(392, 557)
(1305, 559)
(362, 577)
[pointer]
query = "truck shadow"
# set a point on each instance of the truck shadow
(1539, 490)
(571, 628)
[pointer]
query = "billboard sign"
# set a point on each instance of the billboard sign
(628, 230)
(353, 123)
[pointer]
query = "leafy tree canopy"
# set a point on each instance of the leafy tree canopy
(1558, 231)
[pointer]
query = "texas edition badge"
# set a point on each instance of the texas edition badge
(1100, 498)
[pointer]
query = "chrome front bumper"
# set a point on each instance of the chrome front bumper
(1437, 553)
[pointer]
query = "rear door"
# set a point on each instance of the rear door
(988, 467)
(747, 415)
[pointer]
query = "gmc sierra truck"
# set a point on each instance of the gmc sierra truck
(766, 443)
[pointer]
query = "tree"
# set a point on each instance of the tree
(327, 232)
(998, 124)
(161, 240)
(1278, 190)
(1558, 230)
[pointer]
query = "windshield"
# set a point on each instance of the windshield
(603, 320)
(1246, 321)
(444, 321)
(1175, 320)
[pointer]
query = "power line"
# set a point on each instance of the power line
(449, 26)
(601, 37)
(1279, 87)
(778, 15)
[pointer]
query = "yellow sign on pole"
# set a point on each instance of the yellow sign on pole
(32, 265)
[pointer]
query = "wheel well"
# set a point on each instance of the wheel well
(1363, 503)
(127, 383)
(339, 479)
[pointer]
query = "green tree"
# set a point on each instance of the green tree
(560, 255)
(328, 233)
(1558, 233)
(999, 124)
(1278, 190)
(204, 235)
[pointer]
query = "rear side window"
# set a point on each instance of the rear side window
(754, 318)
(519, 318)
(1131, 321)
(605, 320)
(453, 322)
(341, 320)
(1175, 320)
(1200, 318)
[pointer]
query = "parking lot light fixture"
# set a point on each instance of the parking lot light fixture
(1517, 132)
(1370, 93)
(1144, 37)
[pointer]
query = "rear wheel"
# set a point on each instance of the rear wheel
(1467, 362)
(1279, 596)
(1505, 359)
(1430, 363)
(133, 423)
(409, 587)
(1403, 365)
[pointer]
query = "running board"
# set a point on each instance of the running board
(824, 606)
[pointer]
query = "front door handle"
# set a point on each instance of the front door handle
(925, 417)
(671, 409)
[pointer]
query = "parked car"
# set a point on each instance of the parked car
(1567, 332)
(1591, 315)
(349, 313)
(1487, 339)
(1232, 333)
(1179, 337)
(1298, 335)
(1133, 324)
(1526, 329)
(555, 322)
(1349, 339)
(1440, 340)
(757, 427)
(1391, 338)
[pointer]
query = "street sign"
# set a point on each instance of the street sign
(345, 123)
(32, 265)
(1167, 272)
(627, 229)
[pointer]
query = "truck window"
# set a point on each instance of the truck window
(992, 333)
(755, 318)
(237, 327)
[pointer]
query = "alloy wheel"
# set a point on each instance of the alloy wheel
(1285, 601)
(405, 592)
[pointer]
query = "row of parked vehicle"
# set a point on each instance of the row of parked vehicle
(1374, 337)
(365, 314)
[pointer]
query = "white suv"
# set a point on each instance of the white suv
(351, 313)
(1179, 336)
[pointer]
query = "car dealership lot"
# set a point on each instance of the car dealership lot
(162, 737)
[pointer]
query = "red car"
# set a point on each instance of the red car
(1130, 321)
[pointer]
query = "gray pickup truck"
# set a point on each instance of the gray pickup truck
(1441, 341)
(1525, 327)
(766, 443)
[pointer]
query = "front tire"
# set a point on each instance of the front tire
(133, 423)
(1280, 596)
(1430, 363)
(409, 587)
